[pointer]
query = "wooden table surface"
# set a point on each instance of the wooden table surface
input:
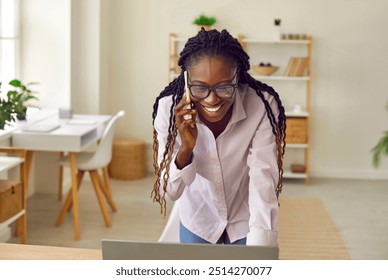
(33, 252)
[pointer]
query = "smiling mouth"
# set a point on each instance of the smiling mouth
(212, 109)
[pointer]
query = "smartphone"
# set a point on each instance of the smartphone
(187, 95)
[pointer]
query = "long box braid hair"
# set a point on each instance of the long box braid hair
(221, 44)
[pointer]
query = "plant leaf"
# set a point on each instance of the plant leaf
(15, 83)
(380, 148)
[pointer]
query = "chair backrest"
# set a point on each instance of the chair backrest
(103, 153)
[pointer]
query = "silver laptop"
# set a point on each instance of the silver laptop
(139, 250)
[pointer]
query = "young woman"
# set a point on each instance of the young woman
(224, 163)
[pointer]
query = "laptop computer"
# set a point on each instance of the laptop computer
(139, 250)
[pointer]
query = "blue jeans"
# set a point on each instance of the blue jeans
(186, 236)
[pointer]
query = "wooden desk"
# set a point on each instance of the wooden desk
(33, 252)
(72, 136)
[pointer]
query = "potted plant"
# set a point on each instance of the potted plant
(204, 21)
(20, 97)
(16, 102)
(380, 148)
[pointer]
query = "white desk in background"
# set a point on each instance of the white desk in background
(52, 134)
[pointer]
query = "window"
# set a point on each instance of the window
(9, 41)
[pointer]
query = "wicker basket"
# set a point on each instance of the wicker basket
(10, 199)
(128, 160)
(265, 70)
(296, 132)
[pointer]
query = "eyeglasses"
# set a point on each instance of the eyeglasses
(222, 91)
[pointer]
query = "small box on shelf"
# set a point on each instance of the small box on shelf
(298, 168)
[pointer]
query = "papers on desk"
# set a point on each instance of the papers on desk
(41, 127)
(81, 122)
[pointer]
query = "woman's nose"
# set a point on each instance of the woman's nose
(212, 98)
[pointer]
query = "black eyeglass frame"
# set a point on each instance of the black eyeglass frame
(214, 88)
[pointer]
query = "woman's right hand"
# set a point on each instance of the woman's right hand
(188, 132)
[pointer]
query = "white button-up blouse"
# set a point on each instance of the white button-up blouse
(231, 181)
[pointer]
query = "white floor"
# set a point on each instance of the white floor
(358, 207)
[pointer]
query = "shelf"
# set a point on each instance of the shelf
(9, 221)
(289, 174)
(273, 78)
(281, 78)
(297, 115)
(256, 40)
(297, 146)
(292, 48)
(264, 41)
(7, 163)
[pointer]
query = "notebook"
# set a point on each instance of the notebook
(138, 250)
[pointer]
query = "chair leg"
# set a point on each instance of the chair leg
(106, 189)
(97, 189)
(80, 176)
(60, 178)
(69, 201)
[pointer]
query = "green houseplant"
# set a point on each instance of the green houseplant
(204, 21)
(380, 148)
(16, 102)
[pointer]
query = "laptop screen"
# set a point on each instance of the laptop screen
(138, 250)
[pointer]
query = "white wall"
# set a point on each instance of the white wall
(45, 49)
(65, 47)
(85, 56)
(350, 58)
(90, 67)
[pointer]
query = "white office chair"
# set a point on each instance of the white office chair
(170, 233)
(92, 162)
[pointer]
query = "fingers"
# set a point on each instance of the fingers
(184, 115)
(185, 121)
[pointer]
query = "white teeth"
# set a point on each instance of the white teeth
(212, 109)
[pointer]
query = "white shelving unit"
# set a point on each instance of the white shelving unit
(287, 48)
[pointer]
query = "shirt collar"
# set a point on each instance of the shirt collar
(238, 108)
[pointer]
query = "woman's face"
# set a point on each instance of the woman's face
(212, 71)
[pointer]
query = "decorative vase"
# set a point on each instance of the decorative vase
(21, 116)
(277, 33)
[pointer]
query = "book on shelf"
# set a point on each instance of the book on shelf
(297, 66)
